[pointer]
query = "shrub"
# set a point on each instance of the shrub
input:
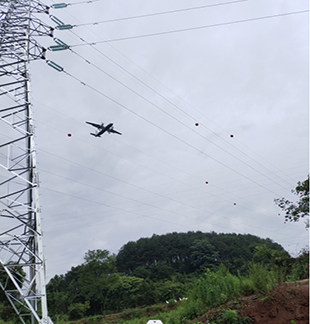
(230, 317)
(77, 311)
(191, 310)
(216, 288)
(171, 302)
(246, 286)
(263, 280)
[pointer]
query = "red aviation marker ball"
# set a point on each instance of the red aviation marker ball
(235, 204)
(231, 135)
(69, 135)
(196, 124)
(207, 182)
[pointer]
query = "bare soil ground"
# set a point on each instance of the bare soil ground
(288, 302)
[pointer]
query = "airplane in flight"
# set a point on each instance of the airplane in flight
(102, 129)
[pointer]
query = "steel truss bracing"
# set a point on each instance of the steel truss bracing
(22, 276)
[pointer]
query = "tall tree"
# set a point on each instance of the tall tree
(97, 277)
(299, 209)
(203, 254)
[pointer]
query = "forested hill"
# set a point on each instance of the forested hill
(161, 256)
(153, 270)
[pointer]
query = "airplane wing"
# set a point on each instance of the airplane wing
(95, 125)
(111, 130)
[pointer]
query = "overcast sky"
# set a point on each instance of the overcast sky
(234, 67)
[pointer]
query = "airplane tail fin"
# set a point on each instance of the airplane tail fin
(94, 134)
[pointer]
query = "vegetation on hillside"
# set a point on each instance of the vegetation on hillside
(217, 290)
(164, 256)
(202, 269)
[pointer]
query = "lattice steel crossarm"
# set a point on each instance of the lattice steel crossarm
(21, 254)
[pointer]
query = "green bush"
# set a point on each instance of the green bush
(246, 286)
(171, 302)
(191, 309)
(263, 280)
(77, 311)
(216, 288)
(173, 318)
(230, 317)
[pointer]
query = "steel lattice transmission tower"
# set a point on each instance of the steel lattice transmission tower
(22, 265)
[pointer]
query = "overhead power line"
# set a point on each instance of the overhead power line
(132, 199)
(150, 88)
(153, 170)
(136, 93)
(156, 106)
(192, 28)
(157, 93)
(60, 69)
(182, 123)
(161, 13)
(62, 46)
(82, 82)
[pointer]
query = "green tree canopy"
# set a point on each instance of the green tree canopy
(164, 256)
(299, 209)
(203, 254)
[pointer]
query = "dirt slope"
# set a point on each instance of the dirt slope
(288, 302)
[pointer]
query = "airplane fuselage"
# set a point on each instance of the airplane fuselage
(104, 129)
(108, 127)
